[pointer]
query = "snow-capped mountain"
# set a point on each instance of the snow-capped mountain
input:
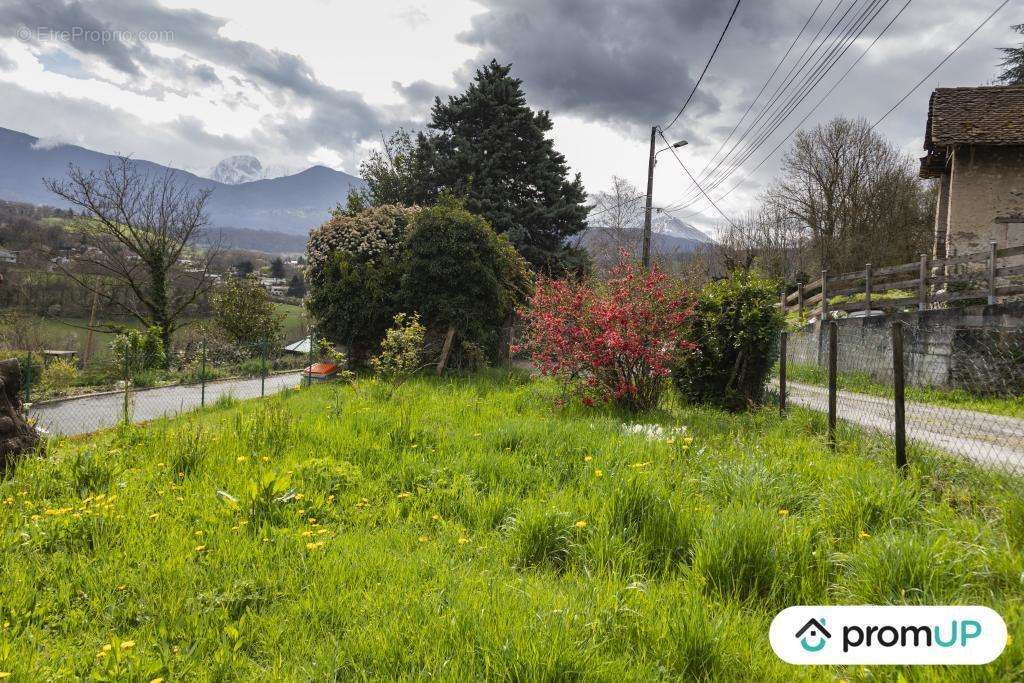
(239, 169)
(669, 224)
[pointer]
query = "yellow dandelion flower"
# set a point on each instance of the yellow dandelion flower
(783, 512)
(436, 518)
(157, 680)
(299, 496)
(128, 644)
(200, 548)
(862, 535)
(424, 539)
(199, 533)
(588, 458)
(1009, 639)
(598, 473)
(330, 499)
(265, 458)
(404, 494)
(105, 648)
(307, 533)
(463, 540)
(154, 515)
(313, 545)
(241, 458)
(5, 674)
(581, 524)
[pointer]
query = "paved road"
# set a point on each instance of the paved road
(91, 413)
(987, 439)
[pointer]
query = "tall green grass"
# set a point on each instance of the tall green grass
(466, 528)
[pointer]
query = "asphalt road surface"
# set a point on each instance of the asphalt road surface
(92, 413)
(984, 438)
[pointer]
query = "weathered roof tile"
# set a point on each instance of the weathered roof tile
(985, 115)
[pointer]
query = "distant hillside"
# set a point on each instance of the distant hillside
(292, 204)
(670, 236)
(263, 241)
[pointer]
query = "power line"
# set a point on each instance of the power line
(939, 65)
(764, 87)
(825, 63)
(821, 101)
(683, 166)
(808, 83)
(708, 64)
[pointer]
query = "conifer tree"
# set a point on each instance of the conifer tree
(1013, 62)
(488, 147)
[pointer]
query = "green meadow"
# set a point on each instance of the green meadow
(468, 528)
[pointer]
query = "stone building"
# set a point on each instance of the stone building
(974, 140)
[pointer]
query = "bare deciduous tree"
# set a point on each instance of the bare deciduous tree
(856, 194)
(141, 230)
(616, 223)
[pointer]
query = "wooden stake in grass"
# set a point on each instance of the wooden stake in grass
(446, 349)
(782, 373)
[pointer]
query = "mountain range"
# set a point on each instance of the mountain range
(248, 210)
(288, 204)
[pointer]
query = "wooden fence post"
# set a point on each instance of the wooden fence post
(991, 272)
(867, 287)
(899, 407)
(833, 352)
(922, 285)
(782, 300)
(800, 298)
(783, 337)
(446, 349)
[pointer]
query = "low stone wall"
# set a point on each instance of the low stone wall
(979, 349)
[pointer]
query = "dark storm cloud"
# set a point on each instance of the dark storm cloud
(628, 63)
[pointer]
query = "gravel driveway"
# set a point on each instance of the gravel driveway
(91, 413)
(982, 437)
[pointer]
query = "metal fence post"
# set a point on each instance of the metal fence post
(868, 272)
(922, 285)
(309, 367)
(992, 273)
(202, 377)
(28, 377)
(127, 385)
(833, 349)
(263, 369)
(782, 373)
(899, 408)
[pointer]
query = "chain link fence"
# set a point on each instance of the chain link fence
(952, 389)
(138, 386)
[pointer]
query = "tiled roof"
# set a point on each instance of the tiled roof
(986, 115)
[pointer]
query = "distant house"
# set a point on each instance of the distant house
(8, 256)
(974, 140)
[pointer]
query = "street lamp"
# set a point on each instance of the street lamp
(650, 191)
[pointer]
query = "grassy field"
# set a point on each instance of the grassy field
(863, 383)
(465, 529)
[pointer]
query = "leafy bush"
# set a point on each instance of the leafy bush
(59, 376)
(401, 350)
(245, 315)
(609, 342)
(461, 274)
(734, 330)
(135, 351)
(355, 273)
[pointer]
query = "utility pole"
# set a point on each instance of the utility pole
(647, 209)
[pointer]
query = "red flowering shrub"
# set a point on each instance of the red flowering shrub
(609, 342)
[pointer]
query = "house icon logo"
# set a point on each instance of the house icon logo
(815, 631)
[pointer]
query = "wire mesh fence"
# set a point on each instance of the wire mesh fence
(139, 385)
(958, 390)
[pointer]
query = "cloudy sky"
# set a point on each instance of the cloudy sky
(315, 81)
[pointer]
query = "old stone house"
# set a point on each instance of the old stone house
(974, 140)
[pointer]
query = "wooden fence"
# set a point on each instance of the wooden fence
(981, 276)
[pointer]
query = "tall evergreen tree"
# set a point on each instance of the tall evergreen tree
(1013, 62)
(490, 148)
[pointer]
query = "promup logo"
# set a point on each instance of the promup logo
(813, 629)
(888, 635)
